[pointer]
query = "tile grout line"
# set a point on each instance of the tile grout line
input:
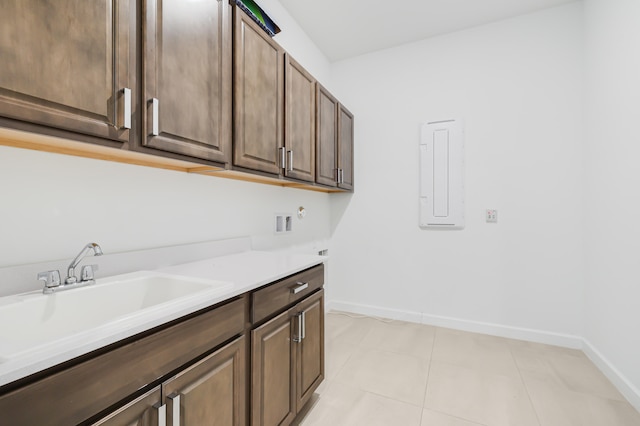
(429, 376)
(524, 385)
(433, 346)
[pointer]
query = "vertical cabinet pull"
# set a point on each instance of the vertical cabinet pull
(174, 400)
(124, 109)
(290, 165)
(283, 157)
(161, 412)
(301, 327)
(155, 110)
(300, 335)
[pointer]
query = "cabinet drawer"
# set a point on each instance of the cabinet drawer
(76, 393)
(285, 292)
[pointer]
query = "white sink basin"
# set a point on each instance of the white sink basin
(36, 321)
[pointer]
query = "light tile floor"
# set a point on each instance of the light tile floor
(381, 372)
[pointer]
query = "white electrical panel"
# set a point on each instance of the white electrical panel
(442, 175)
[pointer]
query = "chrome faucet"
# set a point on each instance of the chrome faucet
(52, 282)
(71, 273)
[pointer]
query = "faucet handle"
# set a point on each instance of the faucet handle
(50, 278)
(88, 272)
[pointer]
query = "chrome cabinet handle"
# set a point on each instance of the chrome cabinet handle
(303, 325)
(283, 157)
(298, 337)
(300, 286)
(290, 165)
(155, 111)
(174, 399)
(161, 412)
(124, 109)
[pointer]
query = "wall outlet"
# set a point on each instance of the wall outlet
(492, 216)
(283, 223)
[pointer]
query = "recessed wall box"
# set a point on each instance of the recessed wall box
(442, 175)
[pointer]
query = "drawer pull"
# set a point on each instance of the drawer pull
(300, 286)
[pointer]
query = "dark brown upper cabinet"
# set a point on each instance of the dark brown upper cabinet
(187, 78)
(326, 138)
(258, 98)
(334, 142)
(345, 148)
(300, 122)
(70, 64)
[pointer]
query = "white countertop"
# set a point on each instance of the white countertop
(243, 271)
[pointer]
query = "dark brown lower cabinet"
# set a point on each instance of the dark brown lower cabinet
(143, 411)
(194, 371)
(310, 349)
(287, 362)
(272, 364)
(210, 392)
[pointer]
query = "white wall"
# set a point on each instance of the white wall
(297, 43)
(53, 204)
(518, 85)
(612, 202)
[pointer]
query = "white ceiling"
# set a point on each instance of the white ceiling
(347, 28)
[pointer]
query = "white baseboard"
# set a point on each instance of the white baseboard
(374, 311)
(519, 333)
(539, 336)
(625, 387)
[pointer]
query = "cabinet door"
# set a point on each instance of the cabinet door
(309, 347)
(272, 361)
(345, 148)
(326, 137)
(300, 129)
(143, 411)
(210, 392)
(187, 88)
(258, 98)
(66, 63)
